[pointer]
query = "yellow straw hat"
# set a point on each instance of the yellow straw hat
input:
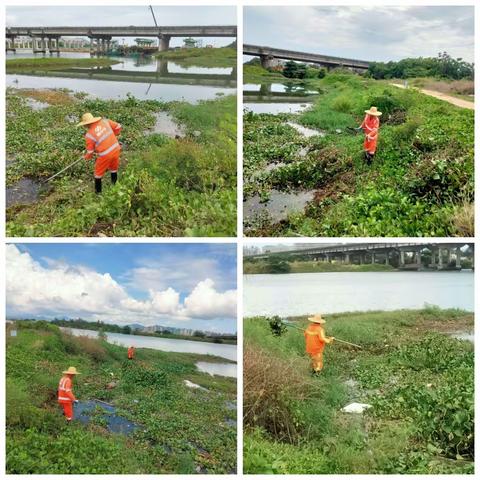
(71, 371)
(373, 111)
(88, 118)
(317, 318)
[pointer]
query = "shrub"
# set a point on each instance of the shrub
(272, 386)
(386, 102)
(84, 345)
(463, 220)
(322, 72)
(342, 104)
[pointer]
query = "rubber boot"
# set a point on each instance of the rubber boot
(98, 185)
(114, 176)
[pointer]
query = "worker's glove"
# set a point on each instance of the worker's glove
(75, 401)
(358, 129)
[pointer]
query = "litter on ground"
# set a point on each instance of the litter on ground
(356, 407)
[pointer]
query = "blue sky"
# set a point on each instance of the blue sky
(184, 285)
(376, 33)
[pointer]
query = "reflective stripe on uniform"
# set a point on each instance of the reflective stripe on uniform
(104, 137)
(65, 398)
(108, 150)
(311, 333)
(91, 137)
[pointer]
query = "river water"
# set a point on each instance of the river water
(175, 345)
(131, 77)
(275, 98)
(307, 293)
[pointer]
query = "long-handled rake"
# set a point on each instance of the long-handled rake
(279, 327)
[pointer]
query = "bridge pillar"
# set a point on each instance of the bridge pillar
(265, 89)
(373, 258)
(10, 44)
(52, 43)
(163, 42)
(418, 255)
(38, 45)
(440, 259)
(162, 66)
(267, 61)
(458, 258)
(386, 258)
(347, 258)
(402, 258)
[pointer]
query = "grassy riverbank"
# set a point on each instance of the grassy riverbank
(22, 65)
(166, 187)
(202, 57)
(420, 183)
(265, 266)
(417, 378)
(183, 430)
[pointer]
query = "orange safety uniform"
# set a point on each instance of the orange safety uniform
(315, 340)
(370, 126)
(130, 353)
(101, 139)
(66, 396)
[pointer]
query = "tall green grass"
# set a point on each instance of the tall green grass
(390, 372)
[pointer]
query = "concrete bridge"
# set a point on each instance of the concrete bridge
(268, 55)
(408, 256)
(47, 38)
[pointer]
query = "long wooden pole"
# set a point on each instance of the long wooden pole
(336, 339)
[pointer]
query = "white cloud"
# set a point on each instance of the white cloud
(60, 289)
(206, 302)
(379, 33)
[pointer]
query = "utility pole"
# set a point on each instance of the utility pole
(155, 21)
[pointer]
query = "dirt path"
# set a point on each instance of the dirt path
(442, 96)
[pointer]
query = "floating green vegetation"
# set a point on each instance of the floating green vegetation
(19, 65)
(418, 379)
(183, 430)
(202, 57)
(421, 182)
(167, 186)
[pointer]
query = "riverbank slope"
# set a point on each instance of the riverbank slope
(167, 186)
(183, 430)
(417, 378)
(420, 183)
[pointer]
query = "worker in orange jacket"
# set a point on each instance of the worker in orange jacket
(315, 341)
(101, 139)
(66, 398)
(370, 126)
(131, 352)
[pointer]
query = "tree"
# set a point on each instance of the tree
(294, 70)
(198, 333)
(126, 330)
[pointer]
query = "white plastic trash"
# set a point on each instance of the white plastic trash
(190, 384)
(356, 407)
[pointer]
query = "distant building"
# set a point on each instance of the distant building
(144, 42)
(189, 42)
